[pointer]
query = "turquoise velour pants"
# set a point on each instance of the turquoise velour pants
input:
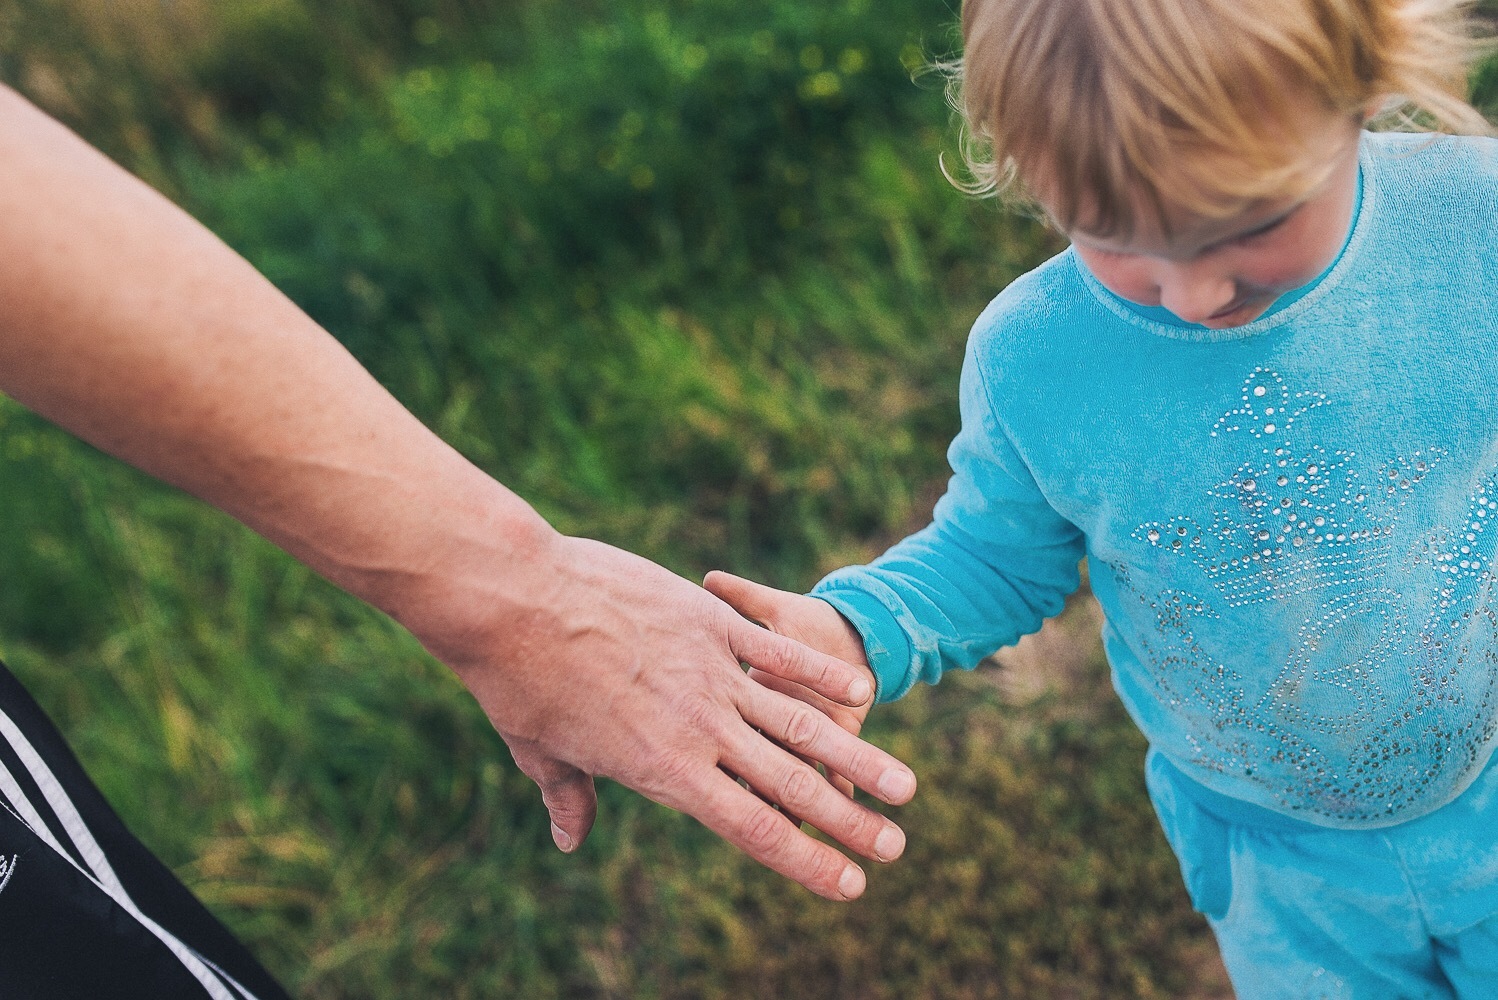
(1404, 911)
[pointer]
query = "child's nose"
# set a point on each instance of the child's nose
(1195, 295)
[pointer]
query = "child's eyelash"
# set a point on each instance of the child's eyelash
(1262, 231)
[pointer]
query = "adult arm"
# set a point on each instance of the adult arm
(127, 322)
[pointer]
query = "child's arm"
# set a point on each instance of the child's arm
(807, 620)
(128, 323)
(995, 562)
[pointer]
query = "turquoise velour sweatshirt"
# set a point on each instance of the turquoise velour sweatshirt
(1290, 525)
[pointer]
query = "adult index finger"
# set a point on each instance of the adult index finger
(773, 653)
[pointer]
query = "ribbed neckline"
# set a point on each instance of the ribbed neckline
(1275, 319)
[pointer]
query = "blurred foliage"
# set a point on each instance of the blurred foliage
(687, 276)
(640, 187)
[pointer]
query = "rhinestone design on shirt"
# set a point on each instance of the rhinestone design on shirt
(1385, 702)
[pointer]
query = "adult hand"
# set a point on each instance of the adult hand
(612, 666)
(807, 620)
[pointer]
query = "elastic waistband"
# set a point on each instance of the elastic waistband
(1224, 807)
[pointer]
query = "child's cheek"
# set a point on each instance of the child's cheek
(1289, 267)
(1297, 255)
(1124, 275)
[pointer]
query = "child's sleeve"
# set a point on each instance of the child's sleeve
(995, 562)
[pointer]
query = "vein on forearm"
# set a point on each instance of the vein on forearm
(127, 322)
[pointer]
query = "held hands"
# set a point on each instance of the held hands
(613, 666)
(806, 620)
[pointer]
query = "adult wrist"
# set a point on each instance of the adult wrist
(468, 570)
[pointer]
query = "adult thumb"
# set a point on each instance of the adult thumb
(568, 794)
(573, 804)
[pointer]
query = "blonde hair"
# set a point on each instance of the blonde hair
(1101, 107)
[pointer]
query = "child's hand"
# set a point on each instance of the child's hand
(808, 620)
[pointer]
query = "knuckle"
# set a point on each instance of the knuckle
(717, 616)
(868, 825)
(801, 727)
(775, 653)
(669, 778)
(797, 659)
(858, 762)
(799, 789)
(699, 712)
(674, 769)
(765, 830)
(821, 673)
(564, 808)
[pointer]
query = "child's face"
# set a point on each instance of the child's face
(1224, 272)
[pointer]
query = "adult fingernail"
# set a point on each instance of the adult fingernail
(889, 843)
(563, 842)
(859, 691)
(852, 882)
(895, 784)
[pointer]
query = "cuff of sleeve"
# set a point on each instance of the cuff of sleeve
(884, 641)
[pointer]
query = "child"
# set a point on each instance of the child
(1257, 393)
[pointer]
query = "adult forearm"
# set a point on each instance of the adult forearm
(126, 321)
